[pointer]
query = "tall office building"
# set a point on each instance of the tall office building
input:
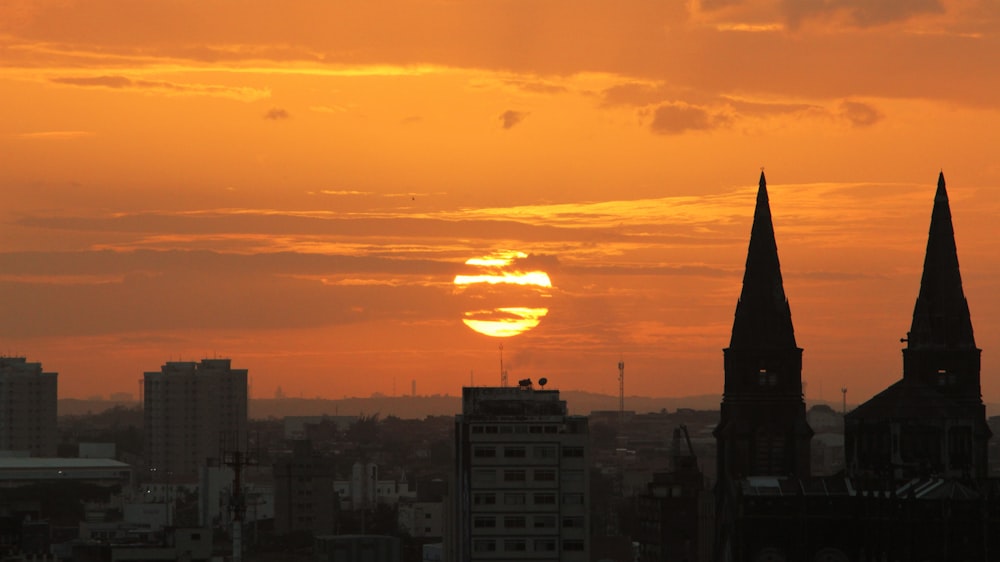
(521, 488)
(28, 400)
(193, 412)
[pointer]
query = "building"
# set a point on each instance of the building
(354, 548)
(676, 514)
(304, 496)
(915, 485)
(521, 480)
(28, 398)
(193, 412)
(932, 421)
(762, 427)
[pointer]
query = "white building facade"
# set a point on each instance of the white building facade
(521, 488)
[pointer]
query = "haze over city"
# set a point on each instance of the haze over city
(310, 192)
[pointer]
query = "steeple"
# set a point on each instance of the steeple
(941, 350)
(941, 315)
(762, 424)
(763, 318)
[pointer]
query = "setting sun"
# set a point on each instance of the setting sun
(500, 279)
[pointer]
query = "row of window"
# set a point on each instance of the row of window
(521, 545)
(521, 498)
(515, 428)
(521, 451)
(543, 521)
(484, 476)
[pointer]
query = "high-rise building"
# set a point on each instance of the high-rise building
(521, 481)
(193, 412)
(28, 398)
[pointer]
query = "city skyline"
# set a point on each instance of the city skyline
(299, 190)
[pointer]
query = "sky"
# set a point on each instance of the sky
(297, 186)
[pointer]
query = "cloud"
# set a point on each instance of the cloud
(118, 82)
(863, 13)
(672, 119)
(511, 118)
(56, 135)
(277, 114)
(860, 114)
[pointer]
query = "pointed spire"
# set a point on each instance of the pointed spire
(763, 318)
(941, 315)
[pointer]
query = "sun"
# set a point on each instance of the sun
(503, 297)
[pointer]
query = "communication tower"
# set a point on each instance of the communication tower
(503, 374)
(621, 393)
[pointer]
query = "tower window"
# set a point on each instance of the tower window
(765, 378)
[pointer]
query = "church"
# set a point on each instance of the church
(916, 484)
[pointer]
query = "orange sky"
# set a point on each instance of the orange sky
(296, 186)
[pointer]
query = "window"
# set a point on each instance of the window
(484, 545)
(482, 499)
(514, 522)
(514, 475)
(513, 499)
(484, 476)
(535, 429)
(477, 429)
(491, 429)
(572, 499)
(515, 452)
(545, 475)
(572, 476)
(572, 545)
(484, 522)
(545, 499)
(545, 545)
(545, 521)
(515, 545)
(572, 452)
(484, 452)
(545, 451)
(573, 522)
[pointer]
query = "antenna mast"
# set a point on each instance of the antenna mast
(621, 393)
(503, 374)
(843, 390)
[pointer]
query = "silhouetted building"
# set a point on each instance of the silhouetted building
(933, 421)
(355, 548)
(763, 428)
(915, 487)
(304, 497)
(28, 398)
(676, 515)
(522, 481)
(193, 412)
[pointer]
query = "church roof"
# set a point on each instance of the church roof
(763, 318)
(909, 399)
(941, 315)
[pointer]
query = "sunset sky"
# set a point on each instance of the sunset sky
(297, 185)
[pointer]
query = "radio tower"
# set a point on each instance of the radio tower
(503, 374)
(621, 393)
(843, 390)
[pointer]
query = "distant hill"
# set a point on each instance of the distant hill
(437, 405)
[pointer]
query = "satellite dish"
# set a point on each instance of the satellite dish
(543, 381)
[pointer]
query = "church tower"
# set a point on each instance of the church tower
(940, 347)
(933, 421)
(762, 428)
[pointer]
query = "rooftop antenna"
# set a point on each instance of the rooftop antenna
(621, 393)
(503, 374)
(843, 390)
